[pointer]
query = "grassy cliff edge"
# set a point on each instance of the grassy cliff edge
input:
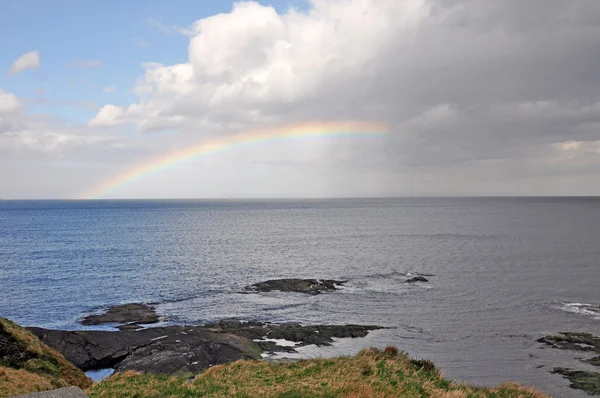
(27, 365)
(372, 373)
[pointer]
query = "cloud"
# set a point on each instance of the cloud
(83, 63)
(23, 134)
(30, 60)
(9, 103)
(469, 88)
(480, 97)
(154, 24)
(108, 115)
(110, 89)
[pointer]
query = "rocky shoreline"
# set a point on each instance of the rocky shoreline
(175, 348)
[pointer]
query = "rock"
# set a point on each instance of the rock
(68, 392)
(417, 279)
(130, 326)
(126, 313)
(581, 380)
(308, 286)
(160, 350)
(572, 341)
(193, 353)
(303, 335)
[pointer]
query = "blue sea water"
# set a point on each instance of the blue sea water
(505, 271)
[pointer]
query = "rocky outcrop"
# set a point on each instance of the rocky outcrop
(308, 286)
(417, 279)
(130, 316)
(159, 350)
(302, 335)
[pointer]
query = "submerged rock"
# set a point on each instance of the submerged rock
(417, 279)
(581, 380)
(308, 286)
(133, 313)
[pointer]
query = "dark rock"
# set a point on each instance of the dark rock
(130, 326)
(575, 342)
(304, 335)
(417, 279)
(125, 313)
(308, 286)
(160, 350)
(581, 380)
(193, 353)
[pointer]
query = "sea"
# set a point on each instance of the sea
(502, 271)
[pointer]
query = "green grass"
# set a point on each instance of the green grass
(372, 373)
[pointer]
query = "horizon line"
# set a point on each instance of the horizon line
(302, 198)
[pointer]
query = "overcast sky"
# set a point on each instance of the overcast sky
(480, 97)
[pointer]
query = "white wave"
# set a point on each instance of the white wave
(581, 309)
(280, 342)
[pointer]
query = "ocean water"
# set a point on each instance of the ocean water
(505, 271)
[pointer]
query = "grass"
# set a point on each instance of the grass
(27, 365)
(372, 373)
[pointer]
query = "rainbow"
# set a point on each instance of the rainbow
(308, 130)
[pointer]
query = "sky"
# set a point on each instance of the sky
(477, 98)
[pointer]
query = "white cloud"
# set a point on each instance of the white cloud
(108, 115)
(481, 98)
(30, 60)
(245, 64)
(9, 103)
(110, 89)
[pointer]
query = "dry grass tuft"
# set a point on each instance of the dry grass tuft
(391, 351)
(20, 381)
